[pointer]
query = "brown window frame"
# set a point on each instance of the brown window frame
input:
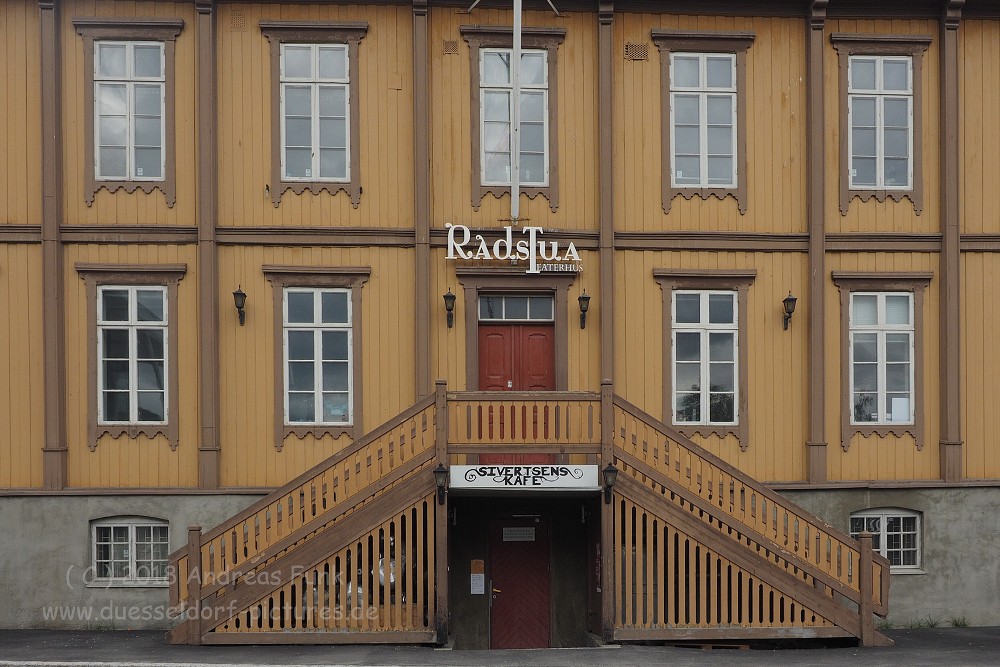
(130, 29)
(298, 32)
(915, 283)
(348, 277)
(913, 46)
(739, 281)
(699, 41)
(547, 39)
(153, 275)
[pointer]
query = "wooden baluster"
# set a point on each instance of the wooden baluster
(194, 574)
(865, 584)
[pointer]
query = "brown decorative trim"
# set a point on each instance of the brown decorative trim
(916, 283)
(531, 38)
(280, 277)
(54, 452)
(167, 275)
(980, 242)
(513, 281)
(21, 233)
(350, 33)
(310, 236)
(816, 446)
(421, 199)
(866, 242)
(847, 45)
(889, 485)
(742, 241)
(668, 41)
(738, 280)
(208, 259)
(606, 138)
(144, 234)
(951, 269)
(160, 30)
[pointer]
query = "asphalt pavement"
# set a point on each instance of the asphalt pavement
(935, 647)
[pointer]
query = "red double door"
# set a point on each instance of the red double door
(516, 357)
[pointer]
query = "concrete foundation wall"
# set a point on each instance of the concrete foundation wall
(959, 566)
(45, 571)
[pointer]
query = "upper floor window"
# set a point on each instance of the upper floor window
(132, 353)
(516, 308)
(129, 104)
(128, 93)
(497, 102)
(703, 120)
(703, 88)
(882, 357)
(895, 535)
(494, 112)
(705, 334)
(317, 342)
(880, 117)
(315, 107)
(880, 111)
(130, 551)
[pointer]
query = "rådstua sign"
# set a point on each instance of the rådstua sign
(542, 256)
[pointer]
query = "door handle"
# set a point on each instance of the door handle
(510, 384)
(497, 590)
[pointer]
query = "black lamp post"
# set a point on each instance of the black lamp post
(449, 305)
(788, 307)
(240, 298)
(584, 300)
(441, 481)
(610, 477)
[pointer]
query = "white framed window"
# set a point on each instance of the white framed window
(703, 123)
(130, 551)
(881, 345)
(704, 368)
(318, 355)
(315, 112)
(496, 99)
(895, 534)
(516, 308)
(880, 117)
(129, 98)
(132, 354)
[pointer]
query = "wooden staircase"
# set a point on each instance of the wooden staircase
(355, 550)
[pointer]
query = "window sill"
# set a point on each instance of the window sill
(116, 583)
(906, 571)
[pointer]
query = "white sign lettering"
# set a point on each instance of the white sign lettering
(525, 477)
(542, 256)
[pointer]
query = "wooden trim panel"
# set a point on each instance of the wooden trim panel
(281, 277)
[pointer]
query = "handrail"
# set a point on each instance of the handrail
(794, 529)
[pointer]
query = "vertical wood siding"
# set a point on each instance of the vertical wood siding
(121, 208)
(20, 115)
(777, 381)
(250, 375)
(889, 216)
(888, 458)
(979, 133)
(386, 121)
(776, 140)
(130, 462)
(451, 131)
(980, 365)
(21, 382)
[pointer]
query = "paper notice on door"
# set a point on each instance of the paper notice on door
(519, 534)
(477, 584)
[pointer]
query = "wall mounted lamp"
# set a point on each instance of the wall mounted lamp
(788, 307)
(584, 307)
(240, 298)
(610, 477)
(441, 482)
(449, 305)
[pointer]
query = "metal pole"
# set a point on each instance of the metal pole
(515, 117)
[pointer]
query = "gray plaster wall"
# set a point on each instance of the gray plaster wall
(960, 557)
(45, 543)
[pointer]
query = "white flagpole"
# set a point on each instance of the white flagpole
(515, 118)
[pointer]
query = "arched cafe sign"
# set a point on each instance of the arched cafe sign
(542, 256)
(535, 477)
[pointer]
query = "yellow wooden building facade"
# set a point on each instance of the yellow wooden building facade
(223, 214)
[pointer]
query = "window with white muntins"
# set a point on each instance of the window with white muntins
(881, 344)
(895, 535)
(497, 111)
(318, 356)
(703, 120)
(129, 98)
(127, 552)
(315, 110)
(132, 354)
(880, 112)
(704, 365)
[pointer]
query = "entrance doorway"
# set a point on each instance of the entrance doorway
(520, 607)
